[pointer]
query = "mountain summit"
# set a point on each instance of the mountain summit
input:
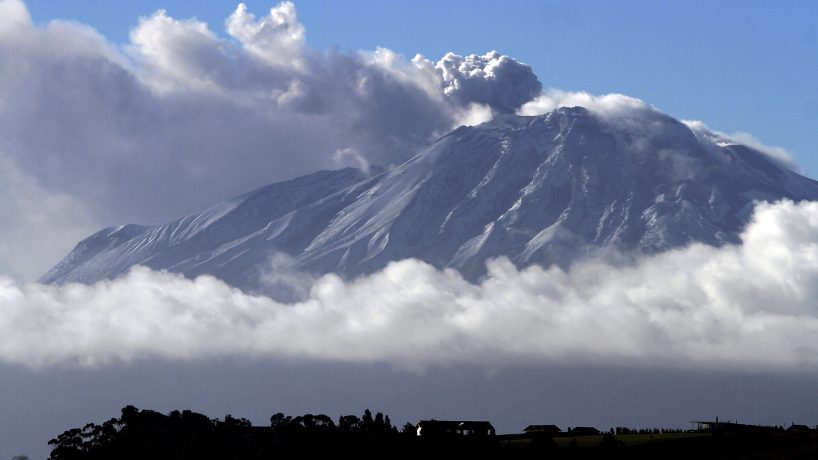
(537, 189)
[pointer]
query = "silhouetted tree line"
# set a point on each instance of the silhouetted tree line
(141, 434)
(146, 434)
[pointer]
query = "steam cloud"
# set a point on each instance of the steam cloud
(619, 108)
(608, 104)
(778, 154)
(750, 306)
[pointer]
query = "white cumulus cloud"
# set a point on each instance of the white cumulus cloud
(177, 54)
(277, 38)
(750, 306)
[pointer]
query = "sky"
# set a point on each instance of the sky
(743, 66)
(152, 110)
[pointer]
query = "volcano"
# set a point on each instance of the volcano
(545, 189)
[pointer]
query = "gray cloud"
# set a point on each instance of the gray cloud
(180, 118)
(37, 224)
(742, 307)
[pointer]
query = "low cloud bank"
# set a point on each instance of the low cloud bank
(752, 306)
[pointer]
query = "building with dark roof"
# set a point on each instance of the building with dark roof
(798, 428)
(454, 428)
(542, 429)
(583, 431)
(730, 427)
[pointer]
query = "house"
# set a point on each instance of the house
(542, 429)
(730, 427)
(454, 428)
(583, 431)
(798, 429)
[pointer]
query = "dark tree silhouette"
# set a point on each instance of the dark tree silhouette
(349, 424)
(367, 423)
(279, 420)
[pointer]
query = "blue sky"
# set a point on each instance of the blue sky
(737, 65)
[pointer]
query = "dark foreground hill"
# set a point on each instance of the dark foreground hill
(188, 435)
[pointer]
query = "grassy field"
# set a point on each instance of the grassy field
(675, 446)
(637, 439)
(627, 439)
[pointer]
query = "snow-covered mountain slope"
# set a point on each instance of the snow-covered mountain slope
(541, 189)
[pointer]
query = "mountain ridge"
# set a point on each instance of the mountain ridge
(538, 189)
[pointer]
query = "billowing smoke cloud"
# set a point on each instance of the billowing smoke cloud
(180, 117)
(750, 306)
(492, 79)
